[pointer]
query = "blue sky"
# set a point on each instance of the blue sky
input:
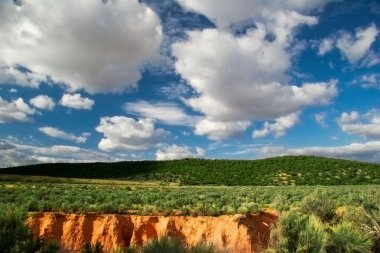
(245, 79)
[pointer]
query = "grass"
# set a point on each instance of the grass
(326, 205)
(184, 200)
(63, 180)
(313, 218)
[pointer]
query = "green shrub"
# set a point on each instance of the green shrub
(15, 236)
(88, 248)
(314, 236)
(202, 247)
(172, 245)
(130, 249)
(164, 245)
(281, 203)
(285, 236)
(346, 238)
(367, 222)
(49, 247)
(320, 204)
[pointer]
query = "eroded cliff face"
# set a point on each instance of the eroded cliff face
(232, 233)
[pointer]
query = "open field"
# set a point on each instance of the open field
(311, 218)
(195, 200)
(65, 180)
(314, 214)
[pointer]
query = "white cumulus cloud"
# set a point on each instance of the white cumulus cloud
(320, 118)
(224, 13)
(16, 154)
(367, 125)
(325, 46)
(168, 113)
(87, 44)
(238, 78)
(76, 101)
(57, 133)
(348, 118)
(278, 128)
(355, 48)
(243, 78)
(14, 76)
(126, 134)
(368, 81)
(43, 102)
(219, 130)
(16, 110)
(174, 152)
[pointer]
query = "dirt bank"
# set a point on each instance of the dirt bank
(235, 233)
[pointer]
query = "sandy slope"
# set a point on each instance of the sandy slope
(233, 233)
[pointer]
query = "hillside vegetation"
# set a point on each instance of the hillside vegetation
(287, 170)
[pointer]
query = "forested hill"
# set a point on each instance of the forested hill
(287, 170)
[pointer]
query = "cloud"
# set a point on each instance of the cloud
(368, 151)
(355, 48)
(278, 128)
(76, 101)
(244, 78)
(320, 118)
(126, 134)
(168, 113)
(12, 75)
(371, 59)
(175, 91)
(16, 110)
(43, 102)
(225, 14)
(240, 73)
(56, 133)
(16, 154)
(5, 145)
(347, 118)
(219, 130)
(369, 127)
(368, 81)
(325, 46)
(174, 152)
(101, 49)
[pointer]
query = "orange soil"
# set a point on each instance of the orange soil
(232, 233)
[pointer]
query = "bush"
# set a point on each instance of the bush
(285, 237)
(170, 245)
(314, 237)
(345, 238)
(15, 236)
(164, 245)
(320, 204)
(367, 222)
(50, 247)
(88, 248)
(202, 248)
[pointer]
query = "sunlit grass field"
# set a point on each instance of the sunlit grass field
(324, 205)
(81, 196)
